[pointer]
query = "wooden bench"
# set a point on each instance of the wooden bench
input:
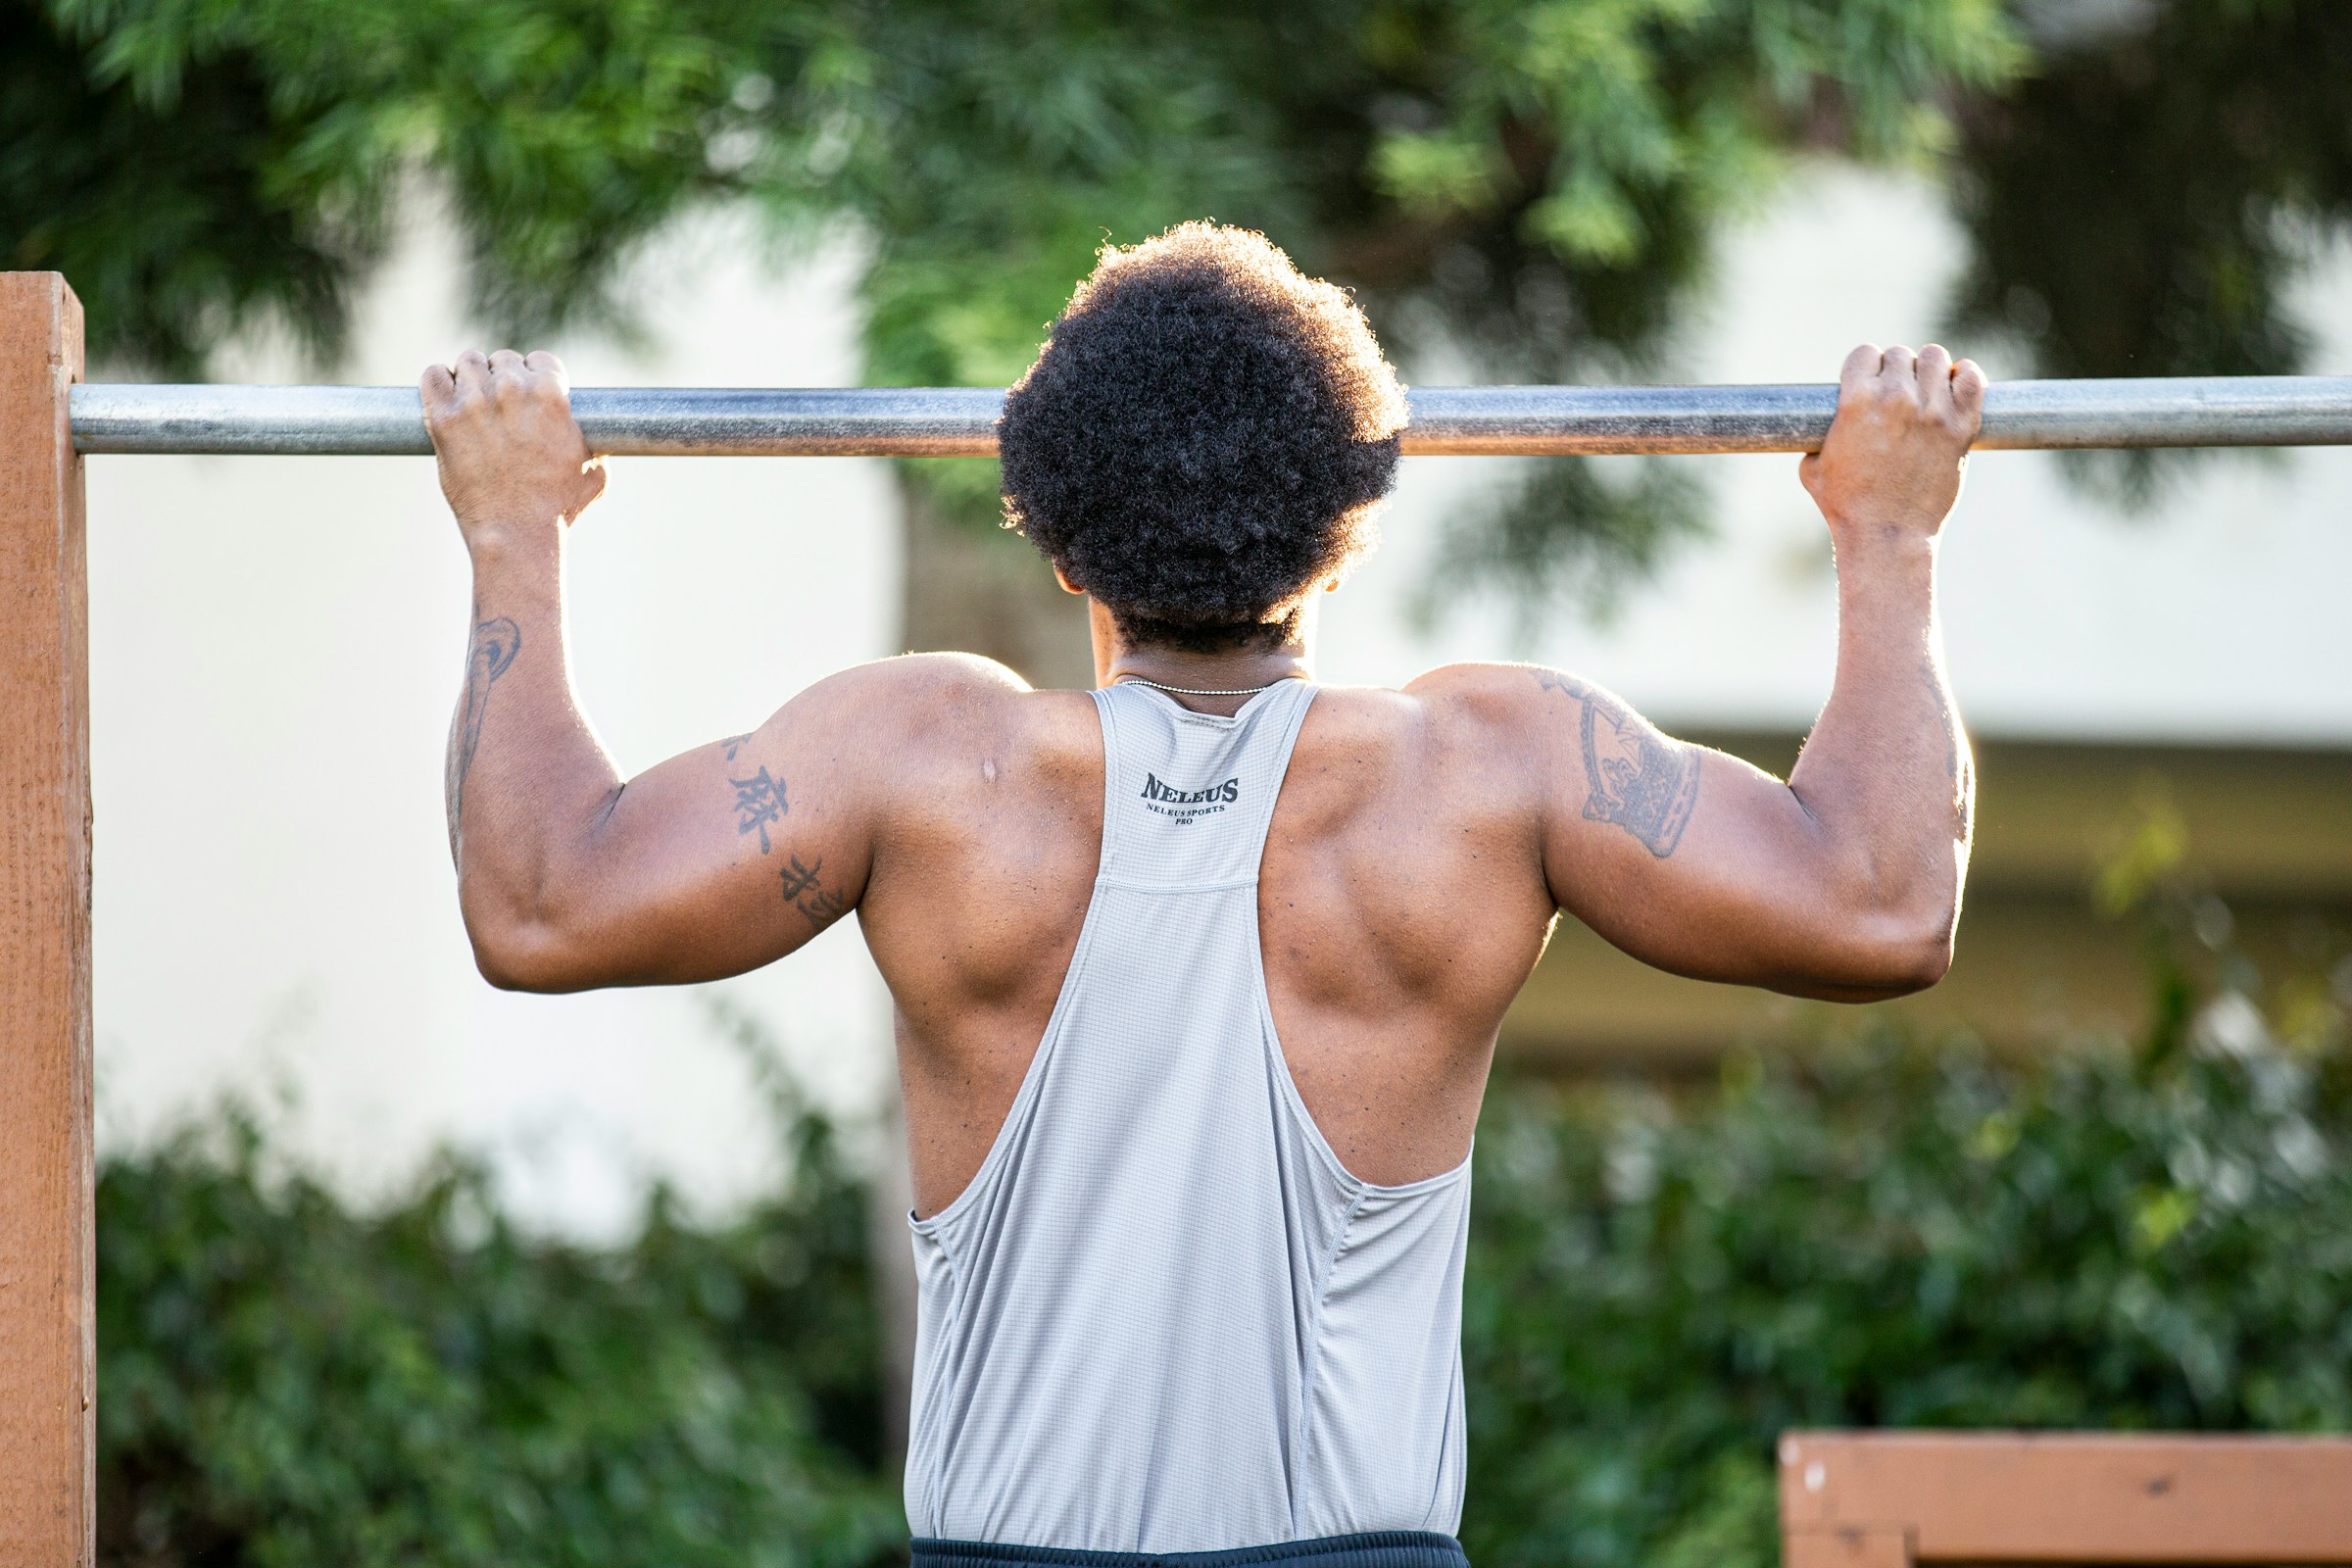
(1890, 1500)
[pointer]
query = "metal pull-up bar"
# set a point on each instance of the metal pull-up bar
(1457, 420)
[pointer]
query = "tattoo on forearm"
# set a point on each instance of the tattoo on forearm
(1634, 776)
(734, 744)
(1957, 769)
(495, 644)
(760, 802)
(820, 905)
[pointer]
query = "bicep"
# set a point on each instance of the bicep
(1685, 858)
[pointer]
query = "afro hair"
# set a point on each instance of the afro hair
(1203, 438)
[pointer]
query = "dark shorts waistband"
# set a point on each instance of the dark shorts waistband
(1376, 1548)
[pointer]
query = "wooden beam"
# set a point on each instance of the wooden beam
(47, 1294)
(2076, 1497)
(1846, 1546)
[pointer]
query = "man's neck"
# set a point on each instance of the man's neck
(1208, 683)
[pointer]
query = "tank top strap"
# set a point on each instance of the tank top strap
(1186, 796)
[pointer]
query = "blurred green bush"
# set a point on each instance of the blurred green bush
(1872, 1232)
(289, 1384)
(1895, 1235)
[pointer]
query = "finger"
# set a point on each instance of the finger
(1808, 472)
(437, 390)
(1969, 383)
(543, 362)
(1899, 372)
(507, 377)
(1860, 366)
(471, 373)
(1935, 379)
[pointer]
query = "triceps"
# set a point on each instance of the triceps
(1635, 778)
(761, 801)
(805, 891)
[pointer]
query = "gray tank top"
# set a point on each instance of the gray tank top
(1163, 1317)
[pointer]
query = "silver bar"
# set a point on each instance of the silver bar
(630, 421)
(1460, 421)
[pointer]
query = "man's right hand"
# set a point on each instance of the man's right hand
(1895, 453)
(513, 463)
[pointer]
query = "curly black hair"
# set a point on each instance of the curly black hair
(1203, 438)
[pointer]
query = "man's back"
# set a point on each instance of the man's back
(1402, 903)
(1162, 1315)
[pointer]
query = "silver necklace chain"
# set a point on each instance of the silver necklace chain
(1201, 690)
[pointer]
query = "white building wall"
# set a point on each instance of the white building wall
(276, 644)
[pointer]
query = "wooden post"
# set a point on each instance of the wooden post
(47, 1287)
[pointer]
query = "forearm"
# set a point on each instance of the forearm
(528, 780)
(1885, 776)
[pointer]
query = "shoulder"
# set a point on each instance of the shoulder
(902, 716)
(1531, 701)
(1481, 697)
(916, 677)
(1516, 731)
(1448, 704)
(918, 691)
(1490, 721)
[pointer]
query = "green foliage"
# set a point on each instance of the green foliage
(1901, 1238)
(2144, 202)
(1569, 161)
(285, 1382)
(174, 210)
(199, 168)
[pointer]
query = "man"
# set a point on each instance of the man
(1198, 976)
